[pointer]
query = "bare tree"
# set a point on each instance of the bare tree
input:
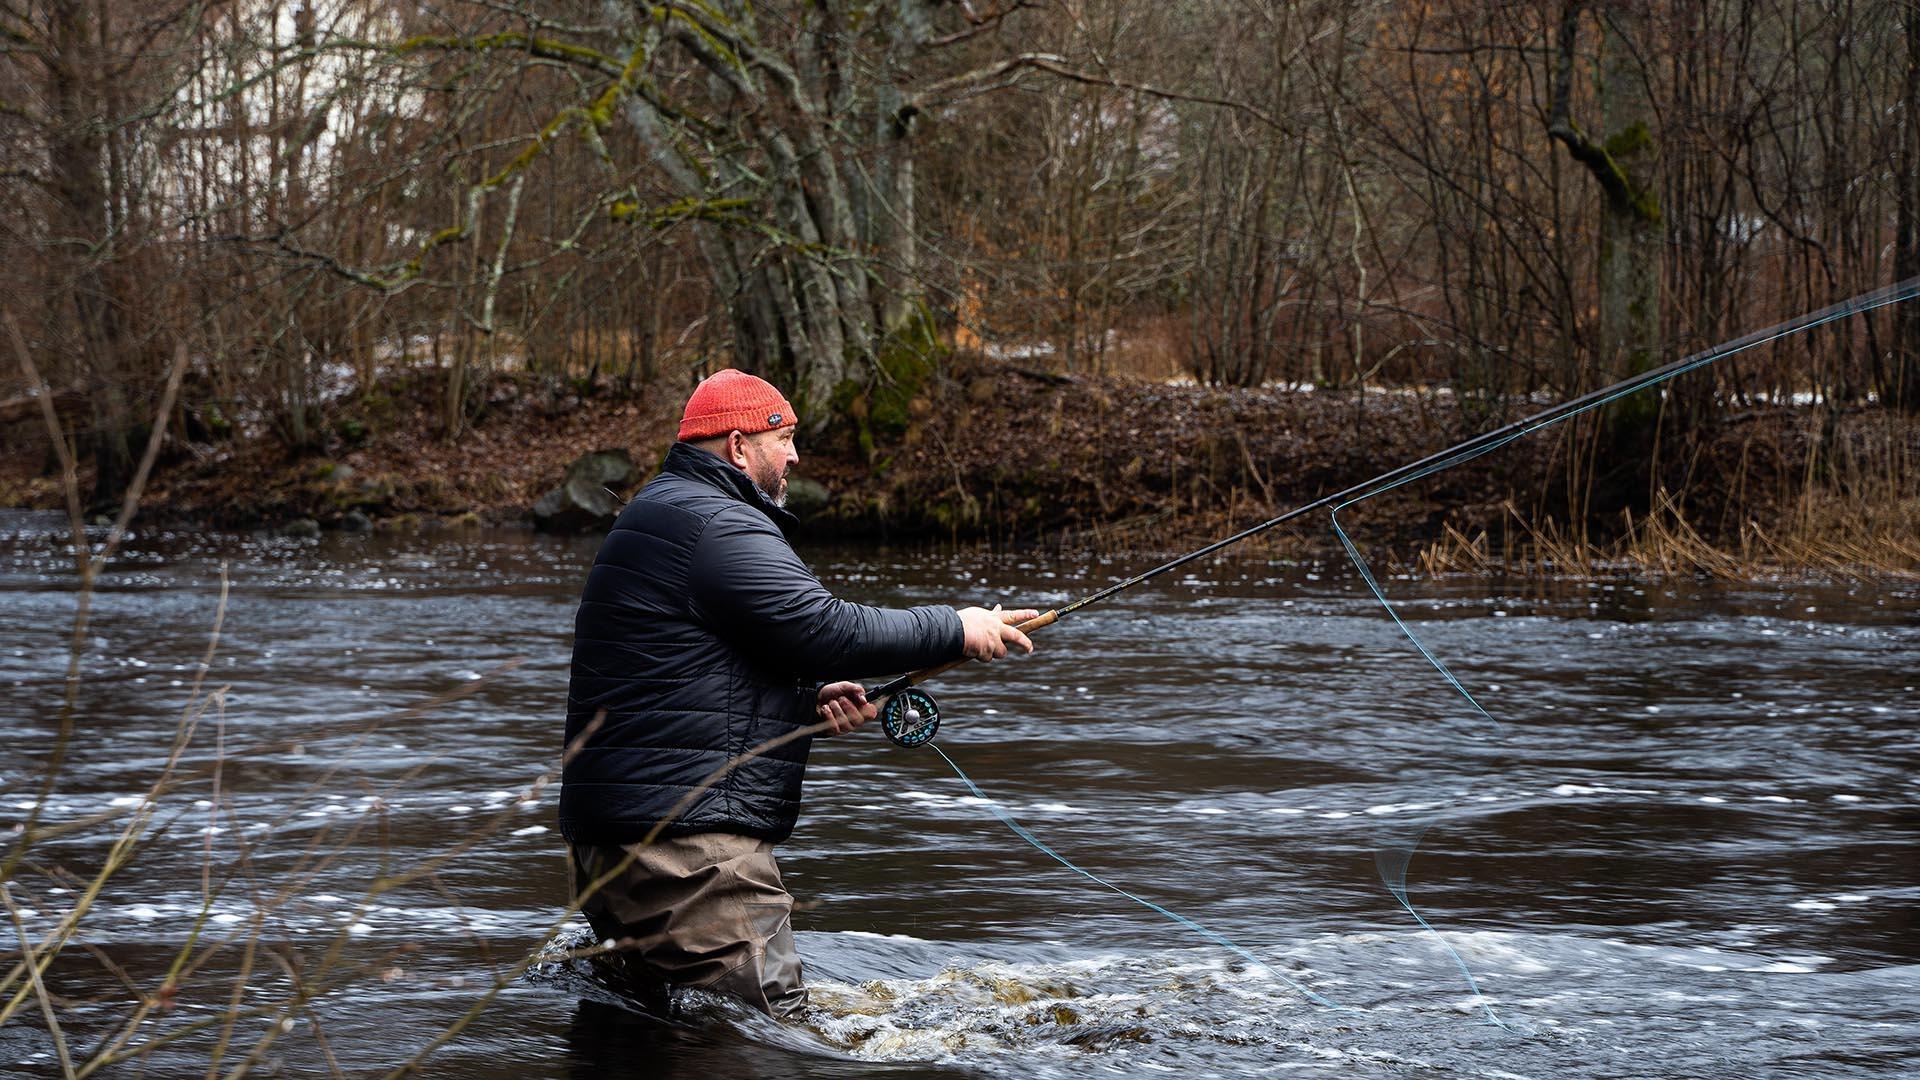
(336, 197)
(87, 78)
(1623, 157)
(1899, 381)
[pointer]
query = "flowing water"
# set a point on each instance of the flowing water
(1686, 845)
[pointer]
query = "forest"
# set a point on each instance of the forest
(312, 312)
(1027, 269)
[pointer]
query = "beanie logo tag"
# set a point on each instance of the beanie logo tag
(774, 419)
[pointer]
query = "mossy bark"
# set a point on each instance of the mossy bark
(1625, 163)
(805, 159)
(881, 409)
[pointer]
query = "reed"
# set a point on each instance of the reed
(1845, 537)
(1664, 543)
(1457, 553)
(233, 989)
(1854, 536)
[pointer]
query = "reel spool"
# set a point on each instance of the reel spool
(910, 717)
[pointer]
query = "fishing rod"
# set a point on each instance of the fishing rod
(910, 716)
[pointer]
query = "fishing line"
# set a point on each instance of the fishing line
(1211, 935)
(1473, 448)
(1395, 876)
(1367, 576)
(910, 731)
(911, 717)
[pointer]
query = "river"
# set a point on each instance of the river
(1683, 845)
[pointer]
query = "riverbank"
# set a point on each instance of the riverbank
(1014, 457)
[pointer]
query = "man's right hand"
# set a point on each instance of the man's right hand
(987, 633)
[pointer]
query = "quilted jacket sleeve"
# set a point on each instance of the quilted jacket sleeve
(756, 593)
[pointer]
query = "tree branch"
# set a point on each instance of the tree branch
(964, 83)
(979, 22)
(545, 48)
(1619, 189)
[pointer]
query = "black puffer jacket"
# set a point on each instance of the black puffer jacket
(701, 634)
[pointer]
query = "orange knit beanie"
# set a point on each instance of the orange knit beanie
(732, 400)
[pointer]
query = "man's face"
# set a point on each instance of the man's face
(770, 456)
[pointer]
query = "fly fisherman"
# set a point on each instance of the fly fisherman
(701, 635)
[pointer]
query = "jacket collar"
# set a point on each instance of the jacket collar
(689, 461)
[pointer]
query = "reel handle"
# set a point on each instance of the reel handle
(908, 714)
(915, 678)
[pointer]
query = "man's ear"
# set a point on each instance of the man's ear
(737, 448)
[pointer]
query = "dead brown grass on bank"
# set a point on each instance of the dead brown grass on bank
(1828, 535)
(996, 454)
(1542, 547)
(1843, 536)
(1663, 542)
(1859, 506)
(1454, 552)
(1151, 348)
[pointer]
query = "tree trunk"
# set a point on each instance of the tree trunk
(806, 228)
(1900, 385)
(78, 159)
(1624, 161)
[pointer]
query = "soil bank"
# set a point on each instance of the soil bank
(997, 454)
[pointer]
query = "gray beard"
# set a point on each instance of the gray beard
(779, 500)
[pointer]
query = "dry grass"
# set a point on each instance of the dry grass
(231, 995)
(1845, 537)
(1457, 553)
(236, 991)
(1826, 534)
(1153, 348)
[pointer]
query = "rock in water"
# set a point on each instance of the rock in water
(583, 500)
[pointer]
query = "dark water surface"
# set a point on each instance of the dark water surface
(1686, 848)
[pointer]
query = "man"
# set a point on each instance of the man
(700, 637)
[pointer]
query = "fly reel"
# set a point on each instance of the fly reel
(910, 717)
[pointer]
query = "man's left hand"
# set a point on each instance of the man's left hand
(844, 707)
